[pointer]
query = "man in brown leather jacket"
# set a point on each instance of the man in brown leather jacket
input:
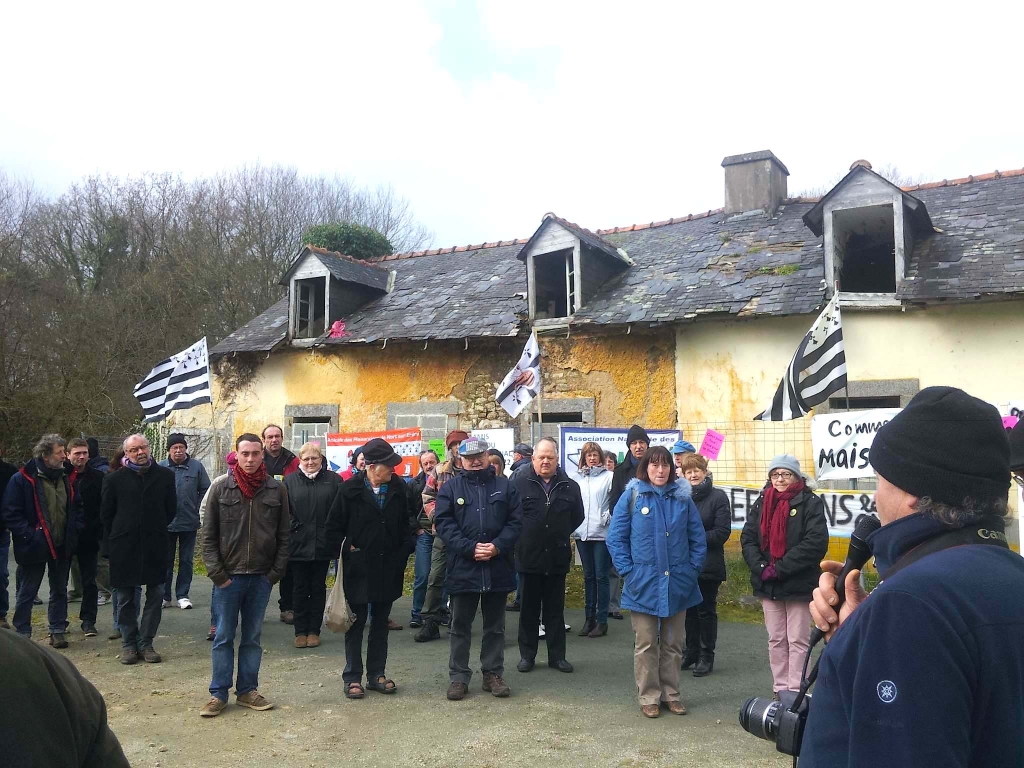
(245, 548)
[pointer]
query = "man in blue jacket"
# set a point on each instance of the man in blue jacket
(41, 511)
(478, 517)
(190, 484)
(930, 669)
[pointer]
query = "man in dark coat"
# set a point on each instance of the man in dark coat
(552, 510)
(280, 462)
(424, 537)
(7, 471)
(929, 670)
(87, 484)
(637, 441)
(522, 456)
(51, 715)
(190, 485)
(478, 516)
(245, 549)
(139, 502)
(374, 523)
(41, 511)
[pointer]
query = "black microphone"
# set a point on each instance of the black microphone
(856, 556)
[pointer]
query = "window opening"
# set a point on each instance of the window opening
(553, 276)
(573, 417)
(309, 307)
(864, 403)
(866, 249)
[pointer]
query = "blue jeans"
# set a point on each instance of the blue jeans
(596, 564)
(5, 576)
(187, 551)
(424, 544)
(117, 609)
(247, 595)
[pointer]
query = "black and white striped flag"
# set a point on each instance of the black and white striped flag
(522, 384)
(180, 381)
(817, 370)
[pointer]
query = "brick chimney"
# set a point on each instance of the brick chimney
(755, 181)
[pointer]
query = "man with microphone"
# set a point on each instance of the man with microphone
(930, 669)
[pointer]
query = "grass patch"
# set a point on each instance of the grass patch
(780, 271)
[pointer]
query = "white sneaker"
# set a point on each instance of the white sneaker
(167, 604)
(567, 627)
(541, 633)
(102, 599)
(184, 603)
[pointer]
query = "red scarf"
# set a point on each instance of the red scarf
(774, 516)
(250, 484)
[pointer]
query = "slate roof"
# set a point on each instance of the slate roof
(704, 264)
(345, 268)
(585, 236)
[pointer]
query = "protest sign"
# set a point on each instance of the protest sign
(437, 446)
(502, 439)
(711, 445)
(843, 509)
(842, 442)
(406, 443)
(571, 439)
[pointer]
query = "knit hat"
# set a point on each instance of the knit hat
(176, 438)
(785, 461)
(1017, 447)
(523, 450)
(455, 436)
(945, 445)
(636, 432)
(681, 446)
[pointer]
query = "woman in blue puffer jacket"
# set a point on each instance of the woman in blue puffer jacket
(657, 544)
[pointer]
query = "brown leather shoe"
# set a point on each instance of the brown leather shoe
(675, 707)
(129, 656)
(650, 710)
(288, 617)
(394, 625)
(457, 691)
(150, 656)
(212, 708)
(312, 641)
(494, 685)
(301, 641)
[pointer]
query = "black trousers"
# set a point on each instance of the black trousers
(492, 640)
(309, 590)
(702, 621)
(543, 597)
(286, 590)
(87, 564)
(376, 644)
(136, 634)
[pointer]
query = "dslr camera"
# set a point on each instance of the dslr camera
(781, 721)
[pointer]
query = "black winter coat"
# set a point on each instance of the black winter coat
(549, 518)
(136, 510)
(89, 491)
(416, 486)
(806, 545)
(623, 473)
(479, 508)
(716, 515)
(24, 513)
(309, 503)
(375, 543)
(7, 471)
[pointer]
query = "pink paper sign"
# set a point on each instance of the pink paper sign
(1009, 422)
(712, 444)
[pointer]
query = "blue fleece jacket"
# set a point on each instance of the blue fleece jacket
(929, 670)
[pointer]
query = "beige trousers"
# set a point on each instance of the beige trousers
(657, 655)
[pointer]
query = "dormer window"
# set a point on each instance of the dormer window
(868, 226)
(324, 286)
(566, 265)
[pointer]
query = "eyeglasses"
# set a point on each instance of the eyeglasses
(780, 476)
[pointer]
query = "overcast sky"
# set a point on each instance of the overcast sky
(487, 114)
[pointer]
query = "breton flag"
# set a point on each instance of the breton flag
(180, 381)
(817, 370)
(522, 383)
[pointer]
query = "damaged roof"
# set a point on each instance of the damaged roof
(344, 268)
(745, 265)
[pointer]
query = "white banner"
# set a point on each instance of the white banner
(571, 439)
(843, 509)
(502, 439)
(842, 442)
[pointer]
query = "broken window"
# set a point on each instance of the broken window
(555, 283)
(865, 249)
(310, 301)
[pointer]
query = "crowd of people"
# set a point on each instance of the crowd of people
(650, 534)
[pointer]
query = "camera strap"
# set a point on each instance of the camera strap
(987, 531)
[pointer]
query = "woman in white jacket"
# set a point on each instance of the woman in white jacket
(595, 484)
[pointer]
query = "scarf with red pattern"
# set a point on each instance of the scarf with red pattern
(250, 484)
(774, 515)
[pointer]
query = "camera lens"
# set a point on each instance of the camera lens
(757, 717)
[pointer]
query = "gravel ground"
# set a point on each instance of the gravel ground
(589, 718)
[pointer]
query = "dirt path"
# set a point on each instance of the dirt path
(589, 718)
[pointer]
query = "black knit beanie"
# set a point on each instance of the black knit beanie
(946, 445)
(176, 438)
(636, 432)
